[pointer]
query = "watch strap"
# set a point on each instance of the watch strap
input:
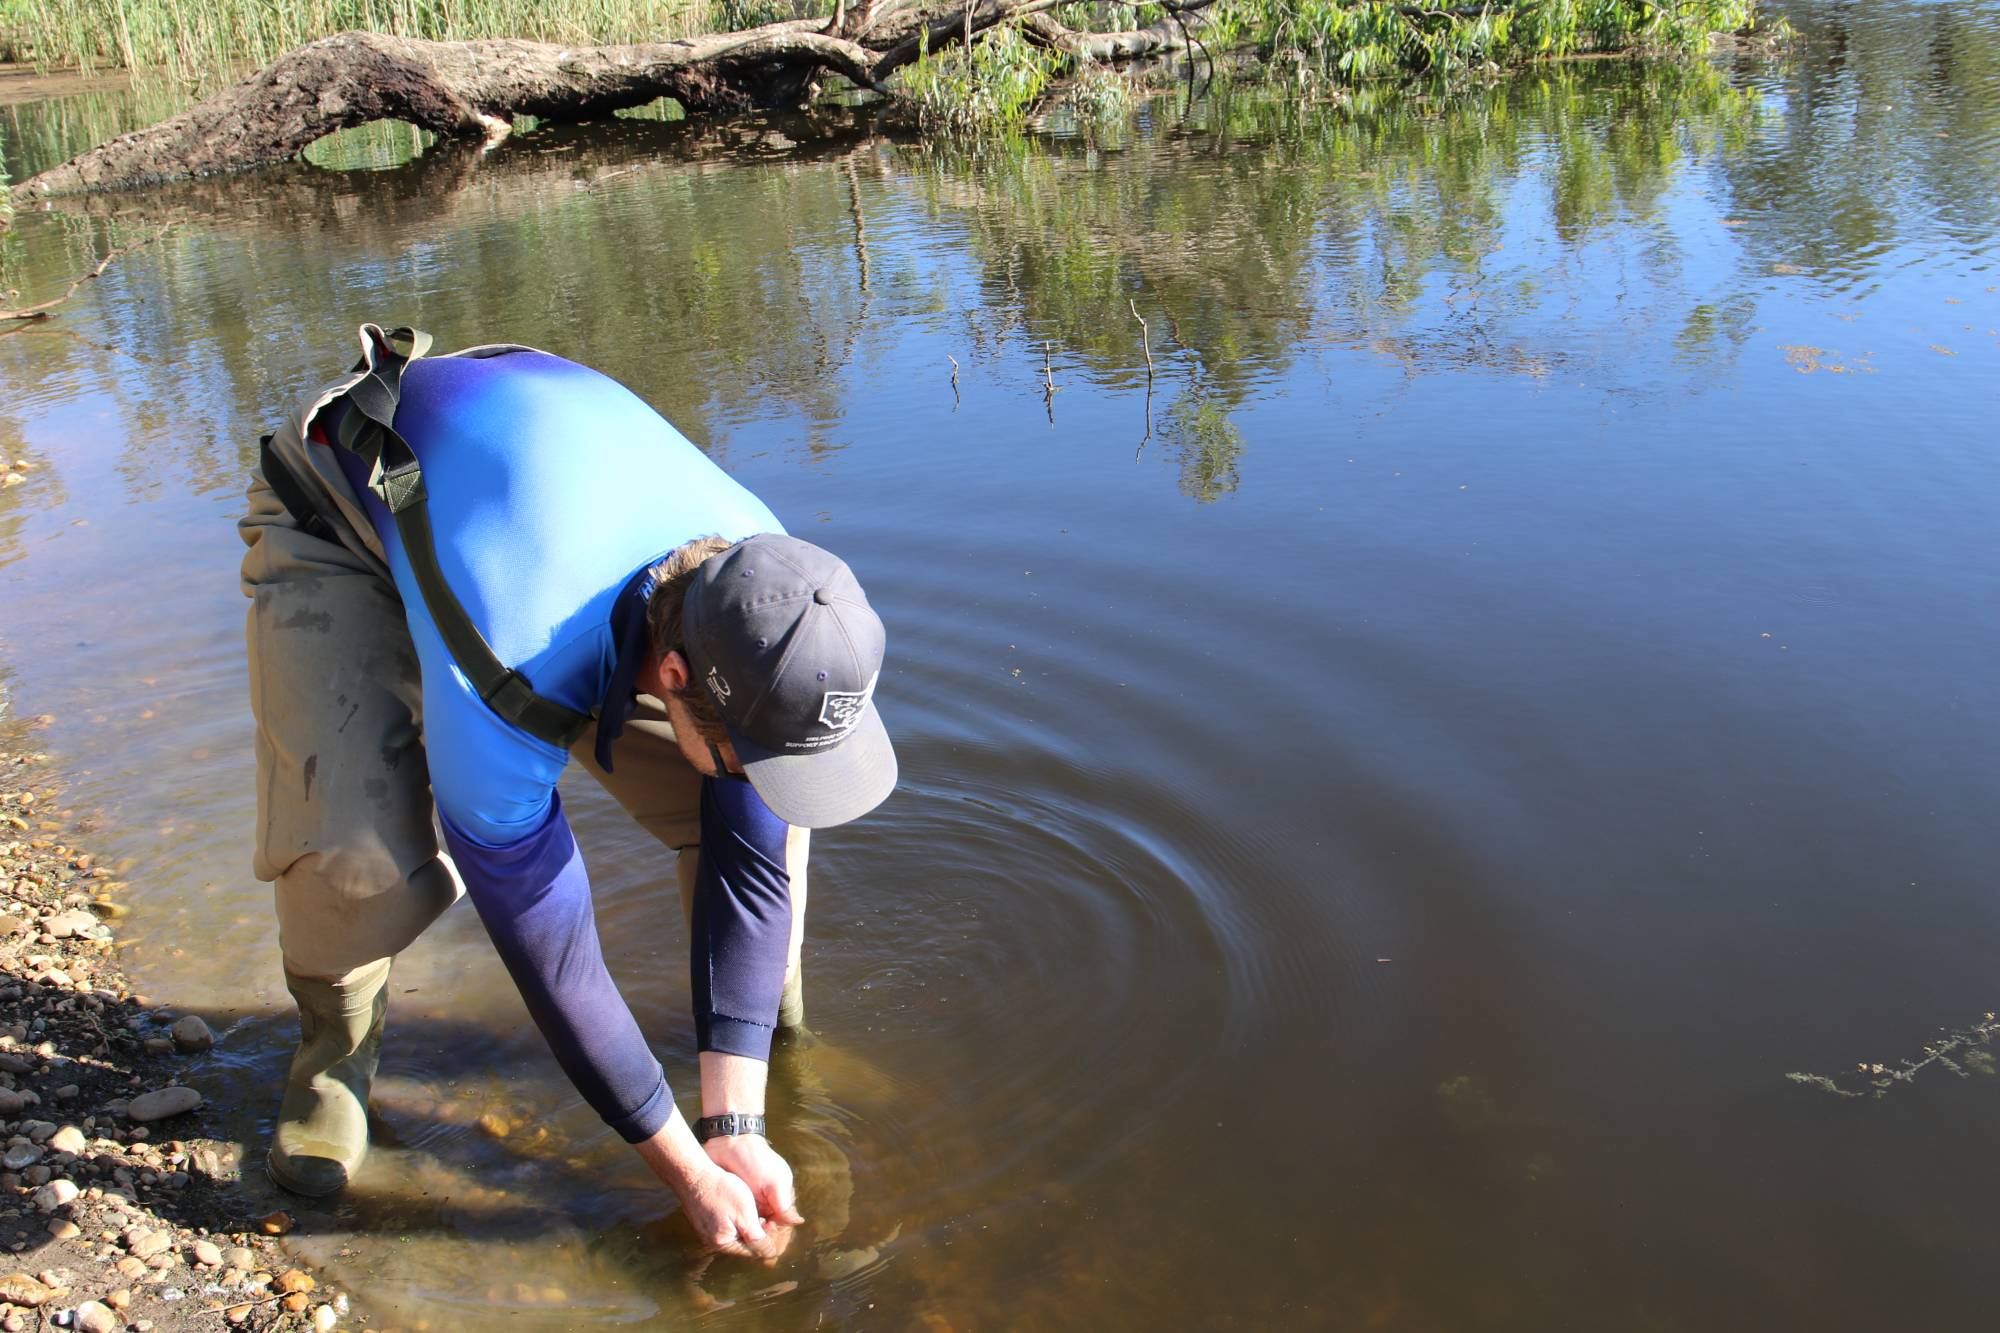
(728, 1126)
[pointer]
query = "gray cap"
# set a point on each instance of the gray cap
(783, 639)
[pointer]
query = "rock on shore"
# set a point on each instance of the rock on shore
(114, 1213)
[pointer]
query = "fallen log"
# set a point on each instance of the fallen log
(473, 89)
(1167, 37)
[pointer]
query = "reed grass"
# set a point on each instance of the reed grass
(198, 42)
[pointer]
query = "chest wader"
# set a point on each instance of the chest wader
(359, 416)
(321, 1136)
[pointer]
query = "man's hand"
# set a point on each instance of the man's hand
(723, 1211)
(751, 1159)
(721, 1207)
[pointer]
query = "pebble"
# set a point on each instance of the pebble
(161, 1103)
(207, 1252)
(324, 1318)
(66, 925)
(191, 1034)
(131, 1268)
(92, 1317)
(54, 1195)
(12, 1102)
(68, 1139)
(295, 1302)
(21, 1155)
(13, 1323)
(119, 1299)
(239, 1257)
(149, 1244)
(276, 1224)
(295, 1280)
(236, 1314)
(64, 1229)
(20, 1289)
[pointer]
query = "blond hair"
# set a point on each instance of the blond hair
(671, 577)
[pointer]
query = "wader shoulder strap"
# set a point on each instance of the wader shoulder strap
(291, 492)
(368, 430)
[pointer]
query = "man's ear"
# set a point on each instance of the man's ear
(666, 675)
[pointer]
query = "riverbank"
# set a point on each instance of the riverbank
(118, 1208)
(1007, 62)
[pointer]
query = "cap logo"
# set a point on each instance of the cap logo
(718, 686)
(841, 710)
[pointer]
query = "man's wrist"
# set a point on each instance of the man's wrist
(731, 1083)
(676, 1156)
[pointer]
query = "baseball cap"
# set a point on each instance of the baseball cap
(781, 636)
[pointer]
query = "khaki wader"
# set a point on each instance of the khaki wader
(344, 814)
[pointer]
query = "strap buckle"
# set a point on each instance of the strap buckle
(400, 486)
(510, 695)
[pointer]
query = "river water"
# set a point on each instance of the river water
(1383, 815)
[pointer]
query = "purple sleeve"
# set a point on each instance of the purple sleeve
(742, 921)
(534, 898)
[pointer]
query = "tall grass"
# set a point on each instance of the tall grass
(13, 14)
(197, 41)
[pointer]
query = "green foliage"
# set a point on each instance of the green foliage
(1371, 39)
(995, 85)
(198, 42)
(1099, 94)
(13, 23)
(733, 15)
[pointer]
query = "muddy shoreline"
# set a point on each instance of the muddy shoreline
(119, 1209)
(21, 82)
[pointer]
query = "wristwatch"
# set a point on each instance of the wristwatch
(727, 1126)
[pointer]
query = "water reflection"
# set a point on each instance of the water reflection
(1504, 718)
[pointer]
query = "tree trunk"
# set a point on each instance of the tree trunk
(473, 89)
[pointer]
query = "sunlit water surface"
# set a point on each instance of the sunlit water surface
(1383, 814)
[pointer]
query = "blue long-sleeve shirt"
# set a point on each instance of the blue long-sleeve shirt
(552, 489)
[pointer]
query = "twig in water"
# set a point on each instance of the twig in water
(954, 380)
(1049, 386)
(42, 311)
(1145, 340)
(604, 176)
(1146, 343)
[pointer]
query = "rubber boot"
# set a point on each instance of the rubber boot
(322, 1132)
